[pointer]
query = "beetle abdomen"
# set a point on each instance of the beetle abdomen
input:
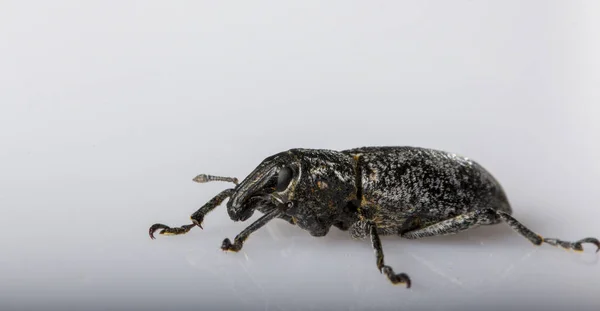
(411, 181)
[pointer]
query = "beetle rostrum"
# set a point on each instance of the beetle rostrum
(409, 192)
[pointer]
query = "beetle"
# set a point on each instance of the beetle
(410, 192)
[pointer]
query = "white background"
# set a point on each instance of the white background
(109, 108)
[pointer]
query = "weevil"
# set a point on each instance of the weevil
(409, 192)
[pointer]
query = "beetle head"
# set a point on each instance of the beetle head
(311, 186)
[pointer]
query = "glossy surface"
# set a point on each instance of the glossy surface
(108, 110)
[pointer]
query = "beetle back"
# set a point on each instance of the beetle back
(403, 183)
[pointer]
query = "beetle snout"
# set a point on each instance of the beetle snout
(239, 214)
(241, 207)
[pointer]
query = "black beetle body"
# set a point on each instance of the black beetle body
(371, 191)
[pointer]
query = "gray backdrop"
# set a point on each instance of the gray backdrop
(109, 108)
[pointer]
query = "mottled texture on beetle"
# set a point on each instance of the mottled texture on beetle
(406, 188)
(371, 191)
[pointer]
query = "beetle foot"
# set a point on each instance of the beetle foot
(400, 278)
(228, 246)
(576, 246)
(166, 230)
(592, 241)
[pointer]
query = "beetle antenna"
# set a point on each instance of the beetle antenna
(203, 178)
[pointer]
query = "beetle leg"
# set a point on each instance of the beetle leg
(453, 225)
(400, 278)
(166, 230)
(238, 242)
(197, 217)
(538, 239)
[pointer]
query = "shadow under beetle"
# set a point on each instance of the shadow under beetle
(406, 191)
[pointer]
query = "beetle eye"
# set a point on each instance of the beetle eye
(284, 178)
